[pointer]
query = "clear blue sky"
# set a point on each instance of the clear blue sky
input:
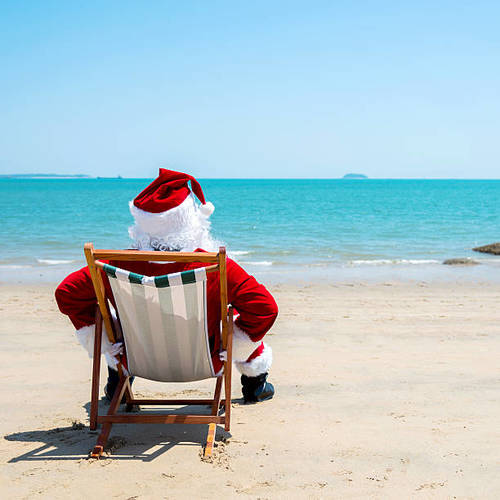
(251, 89)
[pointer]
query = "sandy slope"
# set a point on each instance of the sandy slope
(383, 391)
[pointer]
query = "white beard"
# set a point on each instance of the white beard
(183, 228)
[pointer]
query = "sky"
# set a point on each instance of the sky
(311, 89)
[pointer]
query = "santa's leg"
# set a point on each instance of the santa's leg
(253, 360)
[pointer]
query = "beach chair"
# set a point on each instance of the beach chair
(163, 323)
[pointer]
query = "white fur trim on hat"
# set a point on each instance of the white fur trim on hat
(207, 209)
(243, 345)
(257, 366)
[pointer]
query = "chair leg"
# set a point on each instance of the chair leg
(106, 428)
(129, 395)
(216, 403)
(228, 365)
(212, 429)
(96, 370)
(94, 397)
(227, 389)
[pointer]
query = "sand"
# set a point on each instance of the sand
(384, 390)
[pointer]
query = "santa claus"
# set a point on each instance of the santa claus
(168, 218)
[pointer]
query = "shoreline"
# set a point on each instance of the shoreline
(487, 271)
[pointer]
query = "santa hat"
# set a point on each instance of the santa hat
(167, 216)
(168, 191)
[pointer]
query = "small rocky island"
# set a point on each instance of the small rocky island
(355, 176)
(492, 248)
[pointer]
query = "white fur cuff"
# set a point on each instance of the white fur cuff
(257, 366)
(86, 336)
(243, 346)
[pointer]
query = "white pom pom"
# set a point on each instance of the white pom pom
(208, 209)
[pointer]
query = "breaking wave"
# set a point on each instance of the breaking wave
(54, 262)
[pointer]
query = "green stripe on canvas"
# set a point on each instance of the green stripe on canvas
(110, 270)
(161, 281)
(188, 277)
(135, 278)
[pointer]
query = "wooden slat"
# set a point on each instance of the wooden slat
(138, 255)
(210, 440)
(96, 277)
(208, 269)
(160, 419)
(173, 402)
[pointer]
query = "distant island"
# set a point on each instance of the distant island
(355, 176)
(45, 176)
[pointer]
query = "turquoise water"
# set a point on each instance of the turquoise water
(273, 227)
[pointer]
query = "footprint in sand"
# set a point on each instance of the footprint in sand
(431, 486)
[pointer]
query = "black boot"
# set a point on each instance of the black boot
(110, 387)
(257, 388)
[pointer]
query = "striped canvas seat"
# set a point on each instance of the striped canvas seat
(164, 324)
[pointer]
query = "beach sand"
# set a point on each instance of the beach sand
(385, 390)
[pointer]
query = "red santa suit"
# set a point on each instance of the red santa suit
(169, 219)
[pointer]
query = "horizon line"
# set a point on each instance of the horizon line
(117, 177)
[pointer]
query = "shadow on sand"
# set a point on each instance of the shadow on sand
(143, 442)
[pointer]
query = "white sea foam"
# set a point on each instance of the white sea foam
(239, 252)
(257, 263)
(382, 262)
(53, 262)
(491, 260)
(13, 266)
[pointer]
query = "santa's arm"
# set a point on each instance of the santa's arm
(256, 308)
(76, 298)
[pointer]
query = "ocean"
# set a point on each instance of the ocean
(280, 230)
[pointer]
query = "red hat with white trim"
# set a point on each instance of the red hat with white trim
(168, 191)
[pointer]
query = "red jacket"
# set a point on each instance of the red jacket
(256, 307)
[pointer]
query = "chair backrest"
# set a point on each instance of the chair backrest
(163, 318)
(164, 324)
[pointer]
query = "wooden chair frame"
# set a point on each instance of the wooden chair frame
(103, 316)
